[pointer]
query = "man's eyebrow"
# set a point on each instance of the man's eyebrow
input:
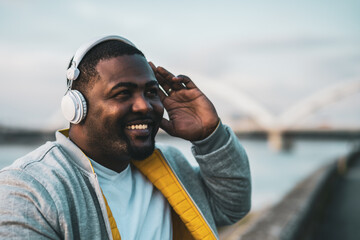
(152, 83)
(133, 85)
(124, 84)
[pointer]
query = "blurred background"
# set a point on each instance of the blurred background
(284, 75)
(276, 53)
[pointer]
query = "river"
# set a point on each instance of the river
(273, 173)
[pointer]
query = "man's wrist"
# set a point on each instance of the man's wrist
(214, 141)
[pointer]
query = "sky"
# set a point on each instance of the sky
(248, 57)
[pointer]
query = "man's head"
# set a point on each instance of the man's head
(102, 51)
(124, 109)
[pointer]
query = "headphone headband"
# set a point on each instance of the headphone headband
(73, 72)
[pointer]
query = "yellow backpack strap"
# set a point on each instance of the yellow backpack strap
(180, 231)
(114, 230)
(157, 170)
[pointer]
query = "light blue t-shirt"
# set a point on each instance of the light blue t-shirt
(139, 209)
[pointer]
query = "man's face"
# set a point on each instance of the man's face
(124, 109)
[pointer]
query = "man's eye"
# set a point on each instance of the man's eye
(122, 94)
(152, 92)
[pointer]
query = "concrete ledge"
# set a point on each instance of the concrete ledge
(293, 217)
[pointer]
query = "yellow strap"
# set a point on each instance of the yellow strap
(114, 230)
(156, 169)
(65, 132)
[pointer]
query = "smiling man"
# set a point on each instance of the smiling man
(124, 112)
(105, 178)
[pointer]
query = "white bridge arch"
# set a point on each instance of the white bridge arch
(294, 114)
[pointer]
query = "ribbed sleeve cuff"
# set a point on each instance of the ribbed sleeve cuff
(213, 142)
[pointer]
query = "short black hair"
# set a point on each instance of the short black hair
(102, 51)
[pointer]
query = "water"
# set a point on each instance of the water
(8, 153)
(276, 173)
(273, 173)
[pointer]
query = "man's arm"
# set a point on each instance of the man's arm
(223, 162)
(225, 172)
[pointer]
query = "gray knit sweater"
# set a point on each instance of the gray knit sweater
(52, 193)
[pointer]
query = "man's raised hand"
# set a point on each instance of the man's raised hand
(191, 114)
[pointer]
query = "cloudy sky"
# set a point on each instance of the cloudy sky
(249, 57)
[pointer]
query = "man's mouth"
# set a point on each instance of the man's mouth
(138, 126)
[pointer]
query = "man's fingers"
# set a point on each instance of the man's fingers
(185, 81)
(165, 73)
(164, 78)
(153, 67)
(164, 84)
(170, 83)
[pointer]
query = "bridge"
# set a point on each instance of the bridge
(275, 126)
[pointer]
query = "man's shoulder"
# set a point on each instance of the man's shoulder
(175, 158)
(168, 149)
(36, 162)
(37, 155)
(172, 154)
(46, 169)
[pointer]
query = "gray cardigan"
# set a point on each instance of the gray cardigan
(53, 193)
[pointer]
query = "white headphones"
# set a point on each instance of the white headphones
(73, 103)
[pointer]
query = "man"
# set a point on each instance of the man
(104, 178)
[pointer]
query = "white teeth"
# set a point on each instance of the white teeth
(137, 126)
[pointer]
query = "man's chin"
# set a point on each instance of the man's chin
(140, 153)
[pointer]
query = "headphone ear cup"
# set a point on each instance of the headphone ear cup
(83, 105)
(73, 106)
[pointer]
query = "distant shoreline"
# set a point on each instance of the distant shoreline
(10, 137)
(26, 137)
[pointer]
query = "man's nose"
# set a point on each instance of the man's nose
(141, 104)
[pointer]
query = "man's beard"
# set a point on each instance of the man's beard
(115, 143)
(140, 153)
